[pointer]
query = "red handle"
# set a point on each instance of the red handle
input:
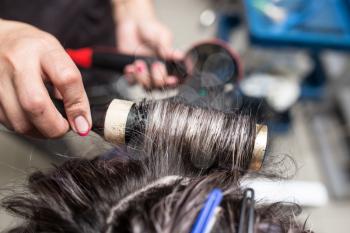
(81, 57)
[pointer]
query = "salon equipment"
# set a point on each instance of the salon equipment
(207, 216)
(211, 58)
(246, 221)
(309, 24)
(314, 25)
(121, 121)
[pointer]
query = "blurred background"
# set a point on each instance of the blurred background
(296, 66)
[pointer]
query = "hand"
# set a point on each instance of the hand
(29, 58)
(140, 33)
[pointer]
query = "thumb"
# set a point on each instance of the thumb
(66, 77)
(160, 39)
(165, 45)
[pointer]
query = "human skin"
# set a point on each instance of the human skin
(30, 58)
(139, 32)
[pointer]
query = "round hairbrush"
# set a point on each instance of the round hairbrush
(213, 61)
(121, 122)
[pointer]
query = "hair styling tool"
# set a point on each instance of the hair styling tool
(207, 216)
(213, 58)
(121, 121)
(246, 221)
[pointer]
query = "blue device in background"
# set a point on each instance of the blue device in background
(314, 25)
(318, 24)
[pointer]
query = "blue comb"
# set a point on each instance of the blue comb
(207, 216)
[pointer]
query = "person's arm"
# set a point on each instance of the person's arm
(140, 32)
(135, 18)
(29, 58)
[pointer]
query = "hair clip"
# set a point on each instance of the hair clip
(207, 216)
(246, 221)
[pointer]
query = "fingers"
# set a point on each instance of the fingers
(176, 55)
(129, 71)
(37, 104)
(162, 43)
(142, 75)
(3, 119)
(159, 38)
(165, 44)
(12, 114)
(57, 94)
(30, 132)
(172, 81)
(66, 77)
(160, 76)
(28, 58)
(156, 77)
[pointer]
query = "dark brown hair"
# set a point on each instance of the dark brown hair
(160, 186)
(195, 138)
(121, 195)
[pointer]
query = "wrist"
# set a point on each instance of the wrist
(133, 9)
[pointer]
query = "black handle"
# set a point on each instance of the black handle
(117, 62)
(60, 106)
(98, 114)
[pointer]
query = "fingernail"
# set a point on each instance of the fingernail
(139, 68)
(172, 81)
(82, 126)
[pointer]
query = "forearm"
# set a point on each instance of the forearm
(136, 9)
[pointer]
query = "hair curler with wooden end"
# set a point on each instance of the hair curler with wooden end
(121, 121)
(260, 146)
(116, 121)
